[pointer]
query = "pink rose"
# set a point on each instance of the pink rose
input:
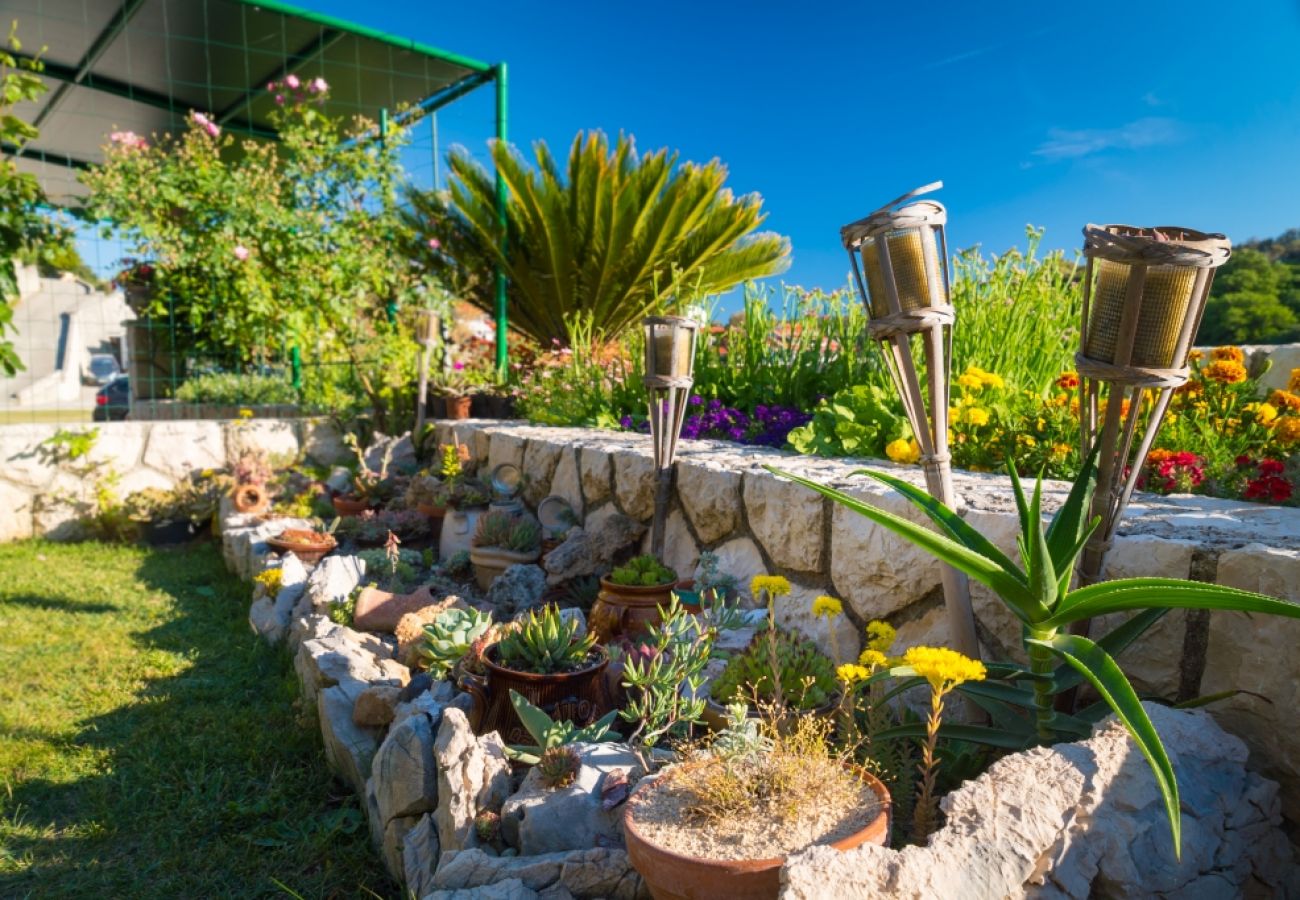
(241, 252)
(434, 243)
(206, 124)
(318, 85)
(292, 81)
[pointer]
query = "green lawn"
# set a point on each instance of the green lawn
(151, 746)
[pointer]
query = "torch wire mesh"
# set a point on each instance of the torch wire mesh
(915, 268)
(1166, 294)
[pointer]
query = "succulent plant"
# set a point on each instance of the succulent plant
(492, 529)
(547, 732)
(487, 825)
(559, 766)
(449, 637)
(545, 643)
(807, 674)
(643, 571)
(458, 565)
(525, 536)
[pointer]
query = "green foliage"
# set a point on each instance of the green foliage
(857, 421)
(558, 766)
(612, 235)
(1254, 299)
(643, 571)
(548, 733)
(233, 389)
(1037, 592)
(807, 674)
(448, 638)
(545, 643)
(587, 382)
(458, 565)
(525, 536)
(345, 613)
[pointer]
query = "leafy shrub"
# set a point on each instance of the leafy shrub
(231, 389)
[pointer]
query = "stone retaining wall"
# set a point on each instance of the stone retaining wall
(726, 502)
(40, 498)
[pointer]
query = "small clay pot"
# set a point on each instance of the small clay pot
(349, 506)
(250, 498)
(580, 697)
(627, 611)
(458, 407)
(491, 562)
(311, 547)
(672, 876)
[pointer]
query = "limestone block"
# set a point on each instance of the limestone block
(634, 484)
(177, 448)
(877, 572)
(119, 445)
(349, 748)
(1255, 653)
(420, 852)
(540, 461)
(567, 483)
(376, 705)
(276, 438)
(1082, 820)
(680, 551)
(591, 549)
(15, 513)
(505, 448)
(333, 579)
(586, 874)
(57, 512)
(787, 520)
(404, 776)
(595, 466)
(837, 637)
(142, 478)
(473, 775)
(740, 557)
(1002, 528)
(711, 498)
(322, 442)
(21, 459)
(339, 660)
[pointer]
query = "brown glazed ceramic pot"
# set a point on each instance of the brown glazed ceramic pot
(310, 552)
(250, 498)
(582, 697)
(350, 506)
(672, 876)
(627, 611)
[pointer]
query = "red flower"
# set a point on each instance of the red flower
(1273, 488)
(1270, 467)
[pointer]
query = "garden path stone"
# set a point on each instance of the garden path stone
(539, 819)
(473, 775)
(1084, 820)
(585, 874)
(518, 588)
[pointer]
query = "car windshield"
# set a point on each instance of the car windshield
(103, 365)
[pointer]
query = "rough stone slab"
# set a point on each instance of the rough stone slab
(15, 513)
(349, 748)
(178, 448)
(681, 553)
(420, 854)
(322, 442)
(333, 579)
(711, 498)
(21, 459)
(119, 446)
(596, 469)
(586, 874)
(837, 637)
(473, 775)
(540, 462)
(740, 557)
(404, 778)
(505, 448)
(634, 485)
(787, 520)
(567, 483)
(277, 438)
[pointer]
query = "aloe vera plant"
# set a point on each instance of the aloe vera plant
(1037, 592)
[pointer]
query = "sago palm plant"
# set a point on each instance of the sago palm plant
(612, 236)
(1038, 593)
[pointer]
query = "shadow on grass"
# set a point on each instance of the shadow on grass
(212, 786)
(61, 604)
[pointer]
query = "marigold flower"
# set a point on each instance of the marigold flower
(880, 635)
(1287, 429)
(873, 659)
(827, 607)
(774, 585)
(1068, 381)
(1225, 371)
(1294, 383)
(850, 673)
(1060, 451)
(1285, 400)
(976, 416)
(1232, 354)
(245, 413)
(1265, 413)
(903, 451)
(970, 382)
(944, 668)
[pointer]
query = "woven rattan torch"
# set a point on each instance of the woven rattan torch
(669, 374)
(1144, 294)
(900, 266)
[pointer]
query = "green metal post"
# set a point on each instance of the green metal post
(502, 323)
(295, 367)
(391, 308)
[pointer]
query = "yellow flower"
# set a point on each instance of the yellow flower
(991, 380)
(976, 416)
(207, 473)
(1287, 429)
(1233, 354)
(1294, 383)
(774, 585)
(1225, 371)
(970, 382)
(903, 451)
(1285, 400)
(1265, 413)
(943, 668)
(849, 673)
(873, 659)
(1060, 451)
(880, 635)
(827, 607)
(245, 413)
(1027, 440)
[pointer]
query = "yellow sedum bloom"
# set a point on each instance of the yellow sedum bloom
(944, 668)
(774, 585)
(827, 607)
(850, 673)
(873, 659)
(880, 635)
(903, 451)
(976, 416)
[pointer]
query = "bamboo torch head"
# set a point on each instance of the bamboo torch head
(669, 371)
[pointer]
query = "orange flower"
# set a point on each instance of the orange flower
(1294, 383)
(1287, 429)
(1225, 371)
(1196, 355)
(1285, 400)
(1068, 381)
(1231, 354)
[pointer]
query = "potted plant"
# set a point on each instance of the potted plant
(422, 496)
(451, 386)
(371, 529)
(630, 598)
(449, 638)
(550, 665)
(368, 485)
(465, 500)
(501, 541)
(722, 822)
(806, 676)
(251, 473)
(308, 545)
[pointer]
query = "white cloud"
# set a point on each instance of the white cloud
(1148, 132)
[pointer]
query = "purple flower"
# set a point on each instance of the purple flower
(696, 400)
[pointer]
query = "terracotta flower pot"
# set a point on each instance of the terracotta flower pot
(673, 876)
(581, 697)
(627, 611)
(250, 498)
(350, 506)
(490, 562)
(435, 514)
(458, 407)
(309, 546)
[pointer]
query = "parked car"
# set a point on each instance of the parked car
(113, 400)
(101, 369)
